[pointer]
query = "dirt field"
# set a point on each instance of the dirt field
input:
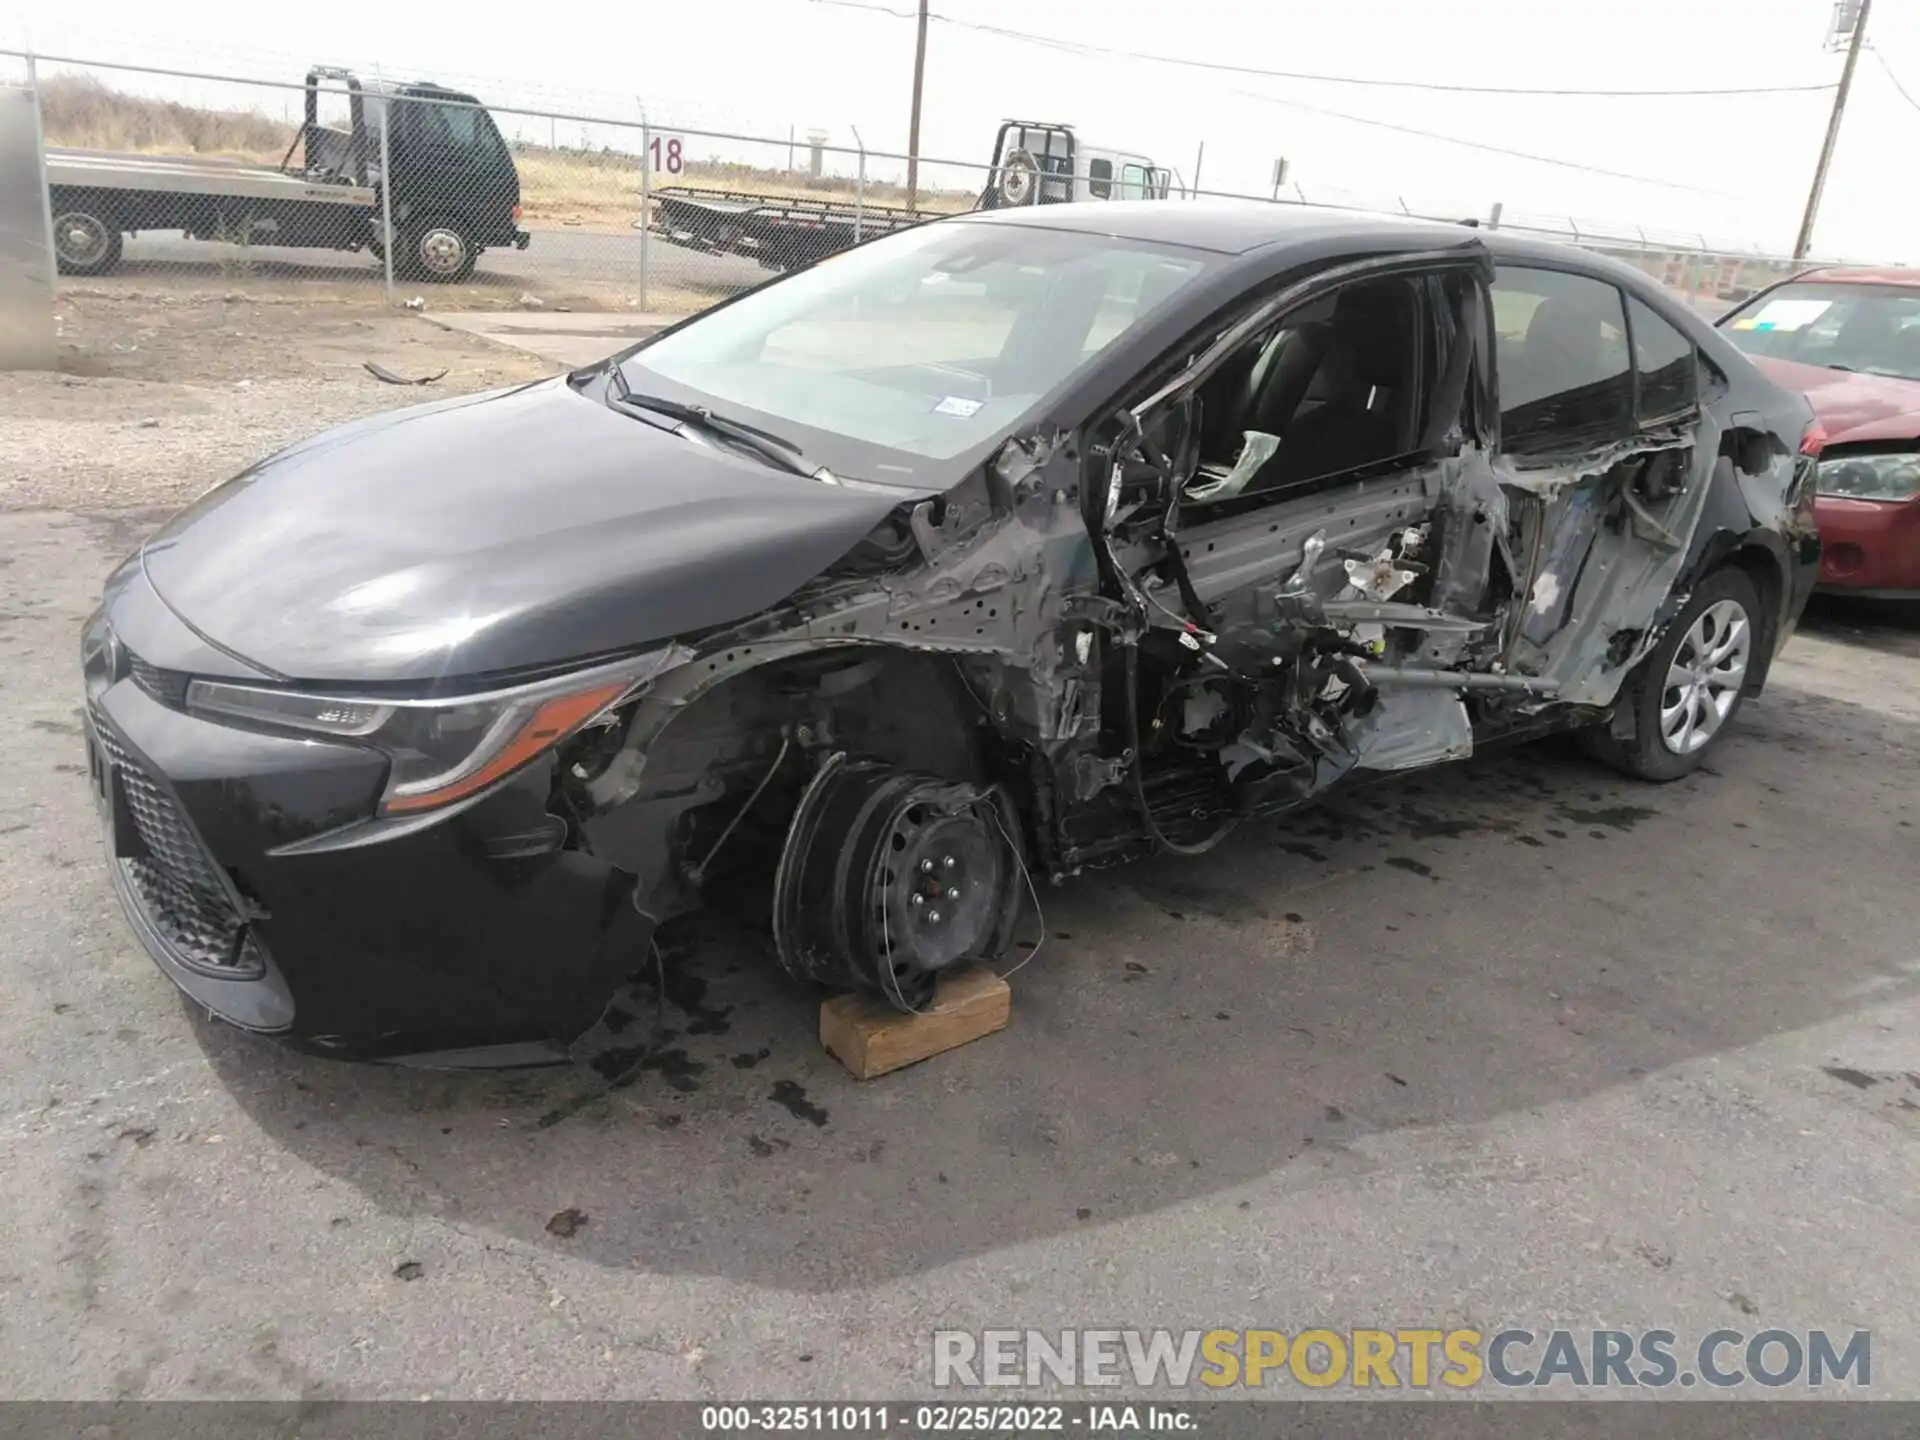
(163, 392)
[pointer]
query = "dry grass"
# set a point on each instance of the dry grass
(81, 112)
(590, 189)
(601, 189)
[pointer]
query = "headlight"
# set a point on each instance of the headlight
(1871, 477)
(443, 750)
(100, 656)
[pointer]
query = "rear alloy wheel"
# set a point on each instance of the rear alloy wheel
(440, 251)
(1703, 681)
(85, 242)
(1684, 694)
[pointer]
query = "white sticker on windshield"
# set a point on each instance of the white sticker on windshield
(1785, 315)
(958, 405)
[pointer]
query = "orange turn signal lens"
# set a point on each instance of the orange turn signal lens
(543, 729)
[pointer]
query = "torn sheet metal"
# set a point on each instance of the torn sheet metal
(1549, 480)
(1625, 574)
(1413, 728)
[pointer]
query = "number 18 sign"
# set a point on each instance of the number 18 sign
(667, 154)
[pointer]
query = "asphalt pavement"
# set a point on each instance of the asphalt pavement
(1518, 1042)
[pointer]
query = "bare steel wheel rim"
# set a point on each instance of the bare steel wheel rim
(442, 250)
(1704, 680)
(1019, 177)
(83, 239)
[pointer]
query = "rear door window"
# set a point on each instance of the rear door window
(1664, 358)
(1565, 371)
(1100, 179)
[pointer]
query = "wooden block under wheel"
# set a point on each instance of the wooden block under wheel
(870, 1037)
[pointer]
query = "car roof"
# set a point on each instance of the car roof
(1225, 227)
(1862, 275)
(1241, 227)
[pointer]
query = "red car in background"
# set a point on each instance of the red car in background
(1850, 339)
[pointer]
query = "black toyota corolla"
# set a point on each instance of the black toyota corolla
(981, 553)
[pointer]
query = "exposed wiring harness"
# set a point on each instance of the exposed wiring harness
(699, 872)
(1137, 771)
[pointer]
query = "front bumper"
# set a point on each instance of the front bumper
(1869, 547)
(477, 934)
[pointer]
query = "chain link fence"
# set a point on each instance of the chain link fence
(340, 183)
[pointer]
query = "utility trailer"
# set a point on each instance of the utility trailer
(781, 232)
(1034, 163)
(455, 190)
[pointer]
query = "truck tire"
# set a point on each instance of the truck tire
(86, 239)
(439, 250)
(1019, 179)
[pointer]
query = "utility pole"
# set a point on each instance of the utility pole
(913, 120)
(1805, 240)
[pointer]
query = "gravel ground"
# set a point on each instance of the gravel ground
(162, 392)
(1518, 1042)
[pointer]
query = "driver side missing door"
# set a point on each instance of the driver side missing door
(1333, 386)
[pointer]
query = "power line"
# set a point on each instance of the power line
(1488, 149)
(1891, 76)
(1076, 47)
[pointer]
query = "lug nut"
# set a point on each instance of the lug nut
(933, 917)
(918, 898)
(926, 866)
(948, 861)
(952, 894)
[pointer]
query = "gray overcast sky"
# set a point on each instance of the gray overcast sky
(1736, 167)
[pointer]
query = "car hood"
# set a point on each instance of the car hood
(496, 532)
(1851, 406)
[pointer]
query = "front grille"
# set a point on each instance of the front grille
(169, 687)
(175, 882)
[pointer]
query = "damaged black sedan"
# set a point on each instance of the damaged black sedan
(989, 551)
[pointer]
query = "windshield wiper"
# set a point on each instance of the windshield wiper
(776, 450)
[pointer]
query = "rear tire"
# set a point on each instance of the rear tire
(1682, 697)
(439, 250)
(86, 240)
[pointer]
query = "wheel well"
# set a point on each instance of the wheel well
(91, 202)
(1762, 568)
(450, 216)
(908, 709)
